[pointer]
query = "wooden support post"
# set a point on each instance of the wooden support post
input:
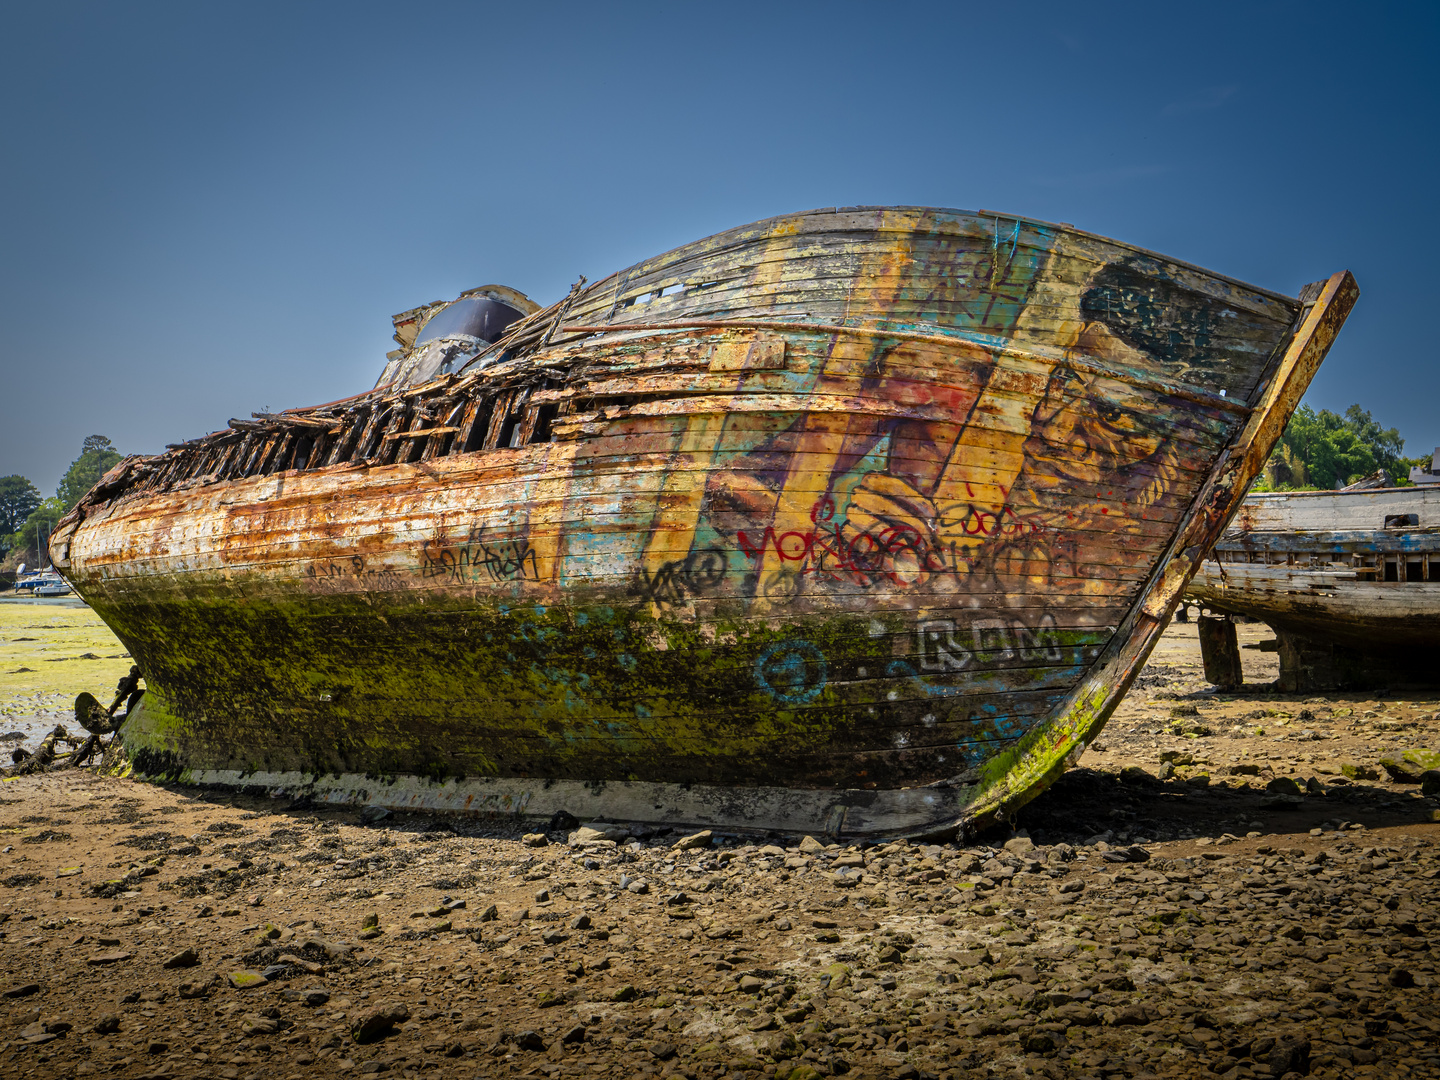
(1220, 652)
(1303, 667)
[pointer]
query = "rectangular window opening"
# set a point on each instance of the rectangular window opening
(1392, 570)
(350, 428)
(413, 449)
(1414, 570)
(278, 455)
(475, 437)
(509, 429)
(543, 421)
(302, 453)
(389, 451)
(377, 433)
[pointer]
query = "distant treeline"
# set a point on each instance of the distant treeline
(25, 516)
(1323, 450)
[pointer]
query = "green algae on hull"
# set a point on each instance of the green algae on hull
(573, 694)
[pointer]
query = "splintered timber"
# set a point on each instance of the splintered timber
(857, 521)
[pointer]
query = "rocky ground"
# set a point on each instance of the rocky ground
(1234, 885)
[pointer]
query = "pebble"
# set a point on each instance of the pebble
(101, 959)
(183, 959)
(1096, 944)
(377, 1022)
(197, 988)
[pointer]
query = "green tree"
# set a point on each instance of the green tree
(1325, 450)
(1284, 472)
(18, 499)
(1340, 458)
(41, 522)
(1402, 474)
(97, 457)
(1385, 444)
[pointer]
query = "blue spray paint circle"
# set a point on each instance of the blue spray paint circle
(792, 672)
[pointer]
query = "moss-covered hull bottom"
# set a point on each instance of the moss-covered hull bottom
(450, 691)
(835, 813)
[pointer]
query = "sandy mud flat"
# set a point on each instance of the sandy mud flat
(1230, 884)
(50, 650)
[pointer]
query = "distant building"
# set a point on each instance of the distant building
(1431, 475)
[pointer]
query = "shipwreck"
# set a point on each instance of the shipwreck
(857, 521)
(1348, 580)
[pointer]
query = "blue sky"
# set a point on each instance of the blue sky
(211, 209)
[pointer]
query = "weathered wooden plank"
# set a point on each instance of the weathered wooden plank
(1335, 511)
(1118, 545)
(953, 352)
(991, 413)
(1092, 514)
(822, 231)
(1092, 509)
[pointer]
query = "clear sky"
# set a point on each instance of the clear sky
(210, 209)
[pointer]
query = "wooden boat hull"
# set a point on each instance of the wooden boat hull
(857, 521)
(1350, 581)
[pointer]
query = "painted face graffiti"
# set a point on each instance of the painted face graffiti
(917, 505)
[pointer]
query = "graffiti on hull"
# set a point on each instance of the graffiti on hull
(480, 560)
(988, 481)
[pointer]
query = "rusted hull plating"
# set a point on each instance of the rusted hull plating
(859, 521)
